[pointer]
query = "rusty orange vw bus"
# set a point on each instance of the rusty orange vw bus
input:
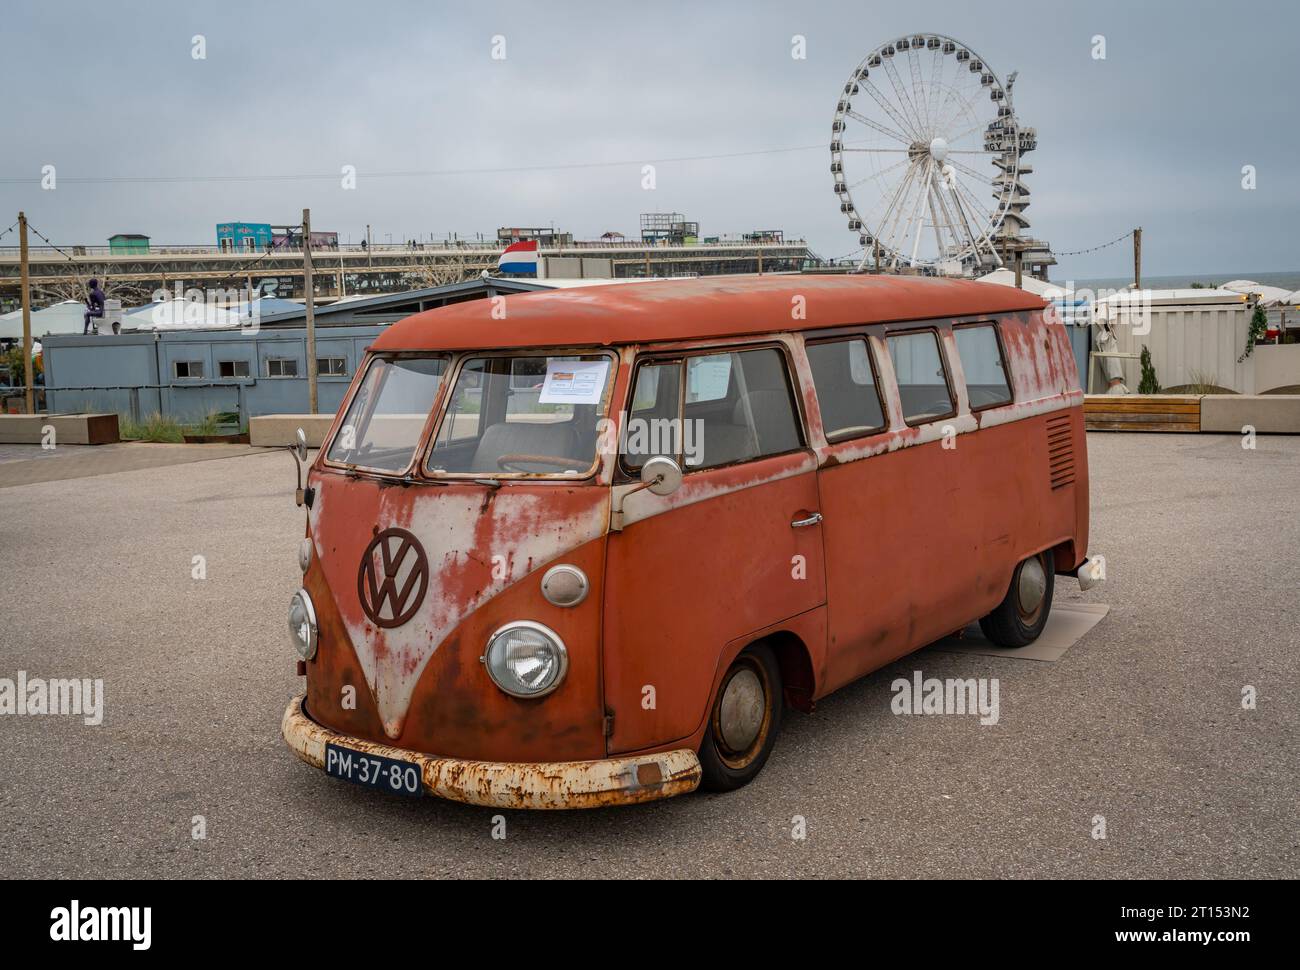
(583, 547)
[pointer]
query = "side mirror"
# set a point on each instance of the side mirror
(661, 475)
(302, 496)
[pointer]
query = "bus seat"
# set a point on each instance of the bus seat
(524, 438)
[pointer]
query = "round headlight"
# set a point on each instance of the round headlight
(302, 624)
(304, 553)
(525, 659)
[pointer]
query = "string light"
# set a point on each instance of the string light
(1080, 252)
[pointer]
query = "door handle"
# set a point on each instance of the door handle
(811, 520)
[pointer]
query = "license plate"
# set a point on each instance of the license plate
(373, 771)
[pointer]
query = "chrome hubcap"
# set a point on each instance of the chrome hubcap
(1032, 585)
(740, 715)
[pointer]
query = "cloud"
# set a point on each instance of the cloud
(1155, 135)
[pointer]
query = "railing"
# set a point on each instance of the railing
(44, 253)
(239, 385)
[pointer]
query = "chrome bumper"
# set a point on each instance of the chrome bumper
(556, 784)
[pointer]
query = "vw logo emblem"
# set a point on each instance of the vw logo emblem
(393, 578)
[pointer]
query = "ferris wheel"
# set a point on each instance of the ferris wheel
(925, 155)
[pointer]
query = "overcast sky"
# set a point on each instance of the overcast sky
(1154, 135)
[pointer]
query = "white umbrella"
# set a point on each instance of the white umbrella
(1268, 295)
(183, 315)
(1030, 284)
(65, 317)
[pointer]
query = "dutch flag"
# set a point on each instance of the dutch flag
(520, 257)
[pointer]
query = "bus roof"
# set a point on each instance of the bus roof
(695, 309)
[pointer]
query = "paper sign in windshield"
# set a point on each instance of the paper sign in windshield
(573, 381)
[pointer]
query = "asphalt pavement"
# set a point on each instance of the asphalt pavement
(1141, 723)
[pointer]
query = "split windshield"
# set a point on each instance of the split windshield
(387, 415)
(523, 415)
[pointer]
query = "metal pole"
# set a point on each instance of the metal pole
(309, 288)
(1137, 258)
(29, 376)
(1020, 273)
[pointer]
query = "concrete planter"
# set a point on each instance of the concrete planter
(1223, 413)
(216, 439)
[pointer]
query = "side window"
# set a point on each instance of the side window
(846, 387)
(757, 417)
(738, 406)
(708, 378)
(653, 426)
(922, 383)
(984, 366)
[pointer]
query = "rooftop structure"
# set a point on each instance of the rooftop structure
(668, 228)
(545, 236)
(354, 270)
(128, 242)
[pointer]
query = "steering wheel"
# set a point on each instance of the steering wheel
(508, 462)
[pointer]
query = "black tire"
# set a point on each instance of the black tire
(1010, 624)
(728, 765)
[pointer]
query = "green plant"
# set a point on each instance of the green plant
(156, 427)
(12, 361)
(1202, 382)
(209, 425)
(1258, 327)
(1149, 384)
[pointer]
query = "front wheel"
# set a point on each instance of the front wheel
(744, 721)
(1022, 614)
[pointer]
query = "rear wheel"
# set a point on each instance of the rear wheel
(1022, 614)
(744, 721)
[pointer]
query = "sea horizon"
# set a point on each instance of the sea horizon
(1285, 280)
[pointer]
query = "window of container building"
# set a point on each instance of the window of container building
(281, 367)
